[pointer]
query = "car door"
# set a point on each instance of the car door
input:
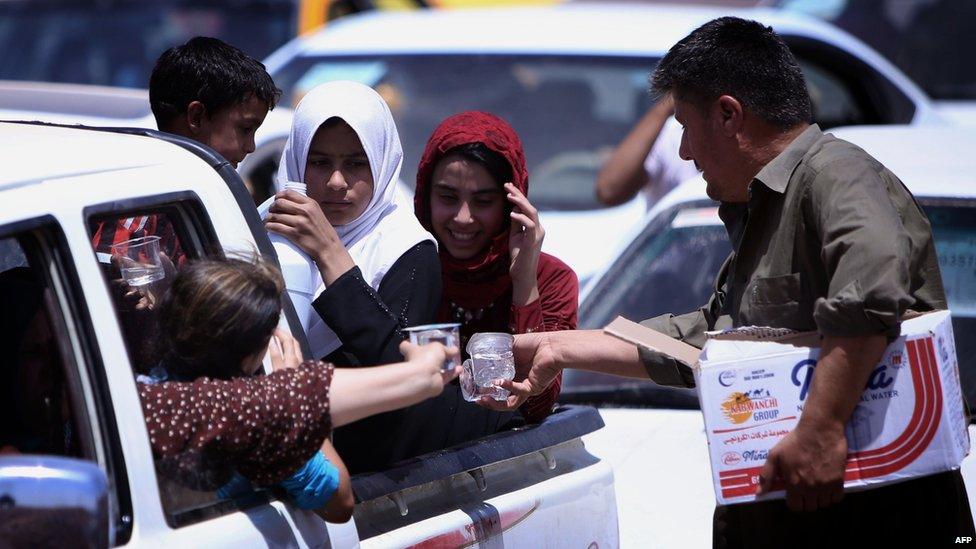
(52, 385)
(196, 216)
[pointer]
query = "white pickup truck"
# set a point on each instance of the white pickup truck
(74, 451)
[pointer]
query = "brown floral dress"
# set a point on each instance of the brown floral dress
(263, 427)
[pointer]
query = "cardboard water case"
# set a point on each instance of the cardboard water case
(753, 383)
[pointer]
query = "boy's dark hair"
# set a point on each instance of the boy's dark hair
(740, 58)
(496, 165)
(218, 312)
(210, 71)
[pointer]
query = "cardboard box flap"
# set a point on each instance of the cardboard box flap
(634, 333)
(916, 322)
(749, 342)
(765, 333)
(912, 321)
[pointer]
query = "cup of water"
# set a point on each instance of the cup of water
(448, 335)
(491, 359)
(139, 260)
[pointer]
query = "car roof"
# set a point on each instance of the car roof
(34, 153)
(566, 28)
(604, 28)
(932, 161)
(558, 29)
(74, 103)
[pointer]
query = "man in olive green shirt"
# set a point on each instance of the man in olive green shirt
(824, 238)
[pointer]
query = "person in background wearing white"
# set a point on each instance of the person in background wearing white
(646, 160)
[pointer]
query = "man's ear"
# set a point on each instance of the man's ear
(730, 115)
(196, 117)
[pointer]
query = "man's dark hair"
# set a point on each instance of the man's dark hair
(210, 71)
(740, 58)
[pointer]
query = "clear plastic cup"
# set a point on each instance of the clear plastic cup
(491, 359)
(448, 335)
(139, 260)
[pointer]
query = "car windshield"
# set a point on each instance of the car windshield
(570, 111)
(116, 42)
(671, 266)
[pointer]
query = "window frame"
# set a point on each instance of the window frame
(878, 97)
(188, 208)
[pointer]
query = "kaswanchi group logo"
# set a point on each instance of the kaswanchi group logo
(757, 405)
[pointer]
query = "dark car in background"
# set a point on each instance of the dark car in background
(931, 40)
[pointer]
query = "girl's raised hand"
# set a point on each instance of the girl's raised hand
(525, 245)
(301, 220)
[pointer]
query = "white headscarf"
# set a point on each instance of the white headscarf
(387, 228)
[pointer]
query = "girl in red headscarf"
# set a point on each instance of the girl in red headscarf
(472, 194)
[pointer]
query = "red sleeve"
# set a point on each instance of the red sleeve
(265, 427)
(558, 302)
(556, 309)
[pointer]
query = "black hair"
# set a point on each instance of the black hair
(210, 71)
(218, 312)
(496, 165)
(740, 58)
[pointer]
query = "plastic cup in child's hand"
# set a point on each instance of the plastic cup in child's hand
(139, 260)
(447, 335)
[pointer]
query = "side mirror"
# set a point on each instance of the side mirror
(48, 501)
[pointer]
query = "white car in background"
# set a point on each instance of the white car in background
(572, 80)
(654, 436)
(75, 104)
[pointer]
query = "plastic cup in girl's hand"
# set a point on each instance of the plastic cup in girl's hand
(491, 360)
(447, 335)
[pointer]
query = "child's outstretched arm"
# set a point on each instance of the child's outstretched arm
(362, 392)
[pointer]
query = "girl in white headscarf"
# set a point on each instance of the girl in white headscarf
(379, 268)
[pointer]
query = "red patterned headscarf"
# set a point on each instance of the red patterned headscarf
(476, 282)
